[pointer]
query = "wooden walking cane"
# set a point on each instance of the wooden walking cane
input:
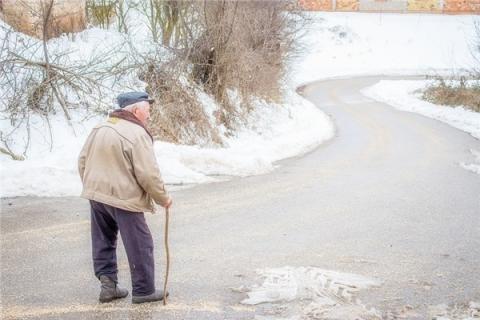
(167, 251)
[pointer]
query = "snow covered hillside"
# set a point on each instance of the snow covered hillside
(337, 44)
(346, 44)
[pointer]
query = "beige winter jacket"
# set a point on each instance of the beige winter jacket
(117, 166)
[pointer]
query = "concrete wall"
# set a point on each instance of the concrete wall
(26, 16)
(433, 6)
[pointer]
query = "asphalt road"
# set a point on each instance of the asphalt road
(386, 198)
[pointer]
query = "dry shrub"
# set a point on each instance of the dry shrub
(454, 94)
(243, 46)
(238, 47)
(459, 93)
(101, 13)
(179, 118)
(167, 20)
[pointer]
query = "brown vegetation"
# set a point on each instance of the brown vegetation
(454, 94)
(245, 49)
(223, 47)
(459, 91)
(178, 117)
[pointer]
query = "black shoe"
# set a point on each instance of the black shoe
(110, 291)
(156, 296)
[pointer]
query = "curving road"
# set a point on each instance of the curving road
(386, 198)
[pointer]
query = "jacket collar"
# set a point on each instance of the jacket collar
(128, 116)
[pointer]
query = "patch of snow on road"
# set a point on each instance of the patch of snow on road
(311, 293)
(474, 167)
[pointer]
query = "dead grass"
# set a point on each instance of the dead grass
(179, 118)
(454, 93)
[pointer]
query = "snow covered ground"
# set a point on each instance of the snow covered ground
(337, 44)
(405, 95)
(275, 132)
(346, 44)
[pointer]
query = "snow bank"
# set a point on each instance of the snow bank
(274, 132)
(405, 95)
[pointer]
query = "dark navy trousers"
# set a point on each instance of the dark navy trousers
(137, 240)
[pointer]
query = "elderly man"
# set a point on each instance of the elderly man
(121, 179)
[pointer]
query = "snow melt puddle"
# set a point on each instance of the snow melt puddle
(311, 293)
(474, 167)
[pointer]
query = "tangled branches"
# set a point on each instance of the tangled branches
(37, 81)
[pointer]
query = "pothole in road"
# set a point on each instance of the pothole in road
(305, 293)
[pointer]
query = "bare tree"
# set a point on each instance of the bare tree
(246, 49)
(35, 80)
(225, 47)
